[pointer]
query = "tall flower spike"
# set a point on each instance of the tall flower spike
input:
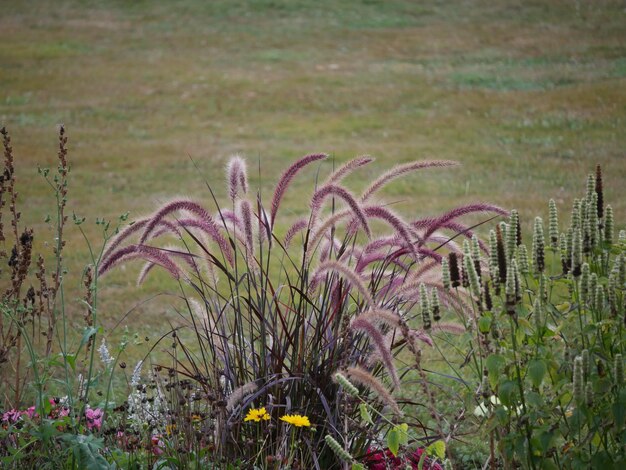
(538, 246)
(591, 187)
(600, 298)
(599, 192)
(511, 288)
(538, 314)
(455, 276)
(511, 234)
(594, 223)
(576, 216)
(522, 259)
(502, 264)
(553, 227)
(445, 274)
(577, 252)
(472, 275)
(585, 361)
(542, 291)
(424, 307)
(493, 257)
(591, 291)
(435, 306)
(577, 380)
(584, 283)
(476, 254)
(608, 226)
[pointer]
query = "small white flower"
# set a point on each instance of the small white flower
(105, 356)
(136, 377)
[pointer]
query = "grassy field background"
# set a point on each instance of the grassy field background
(528, 96)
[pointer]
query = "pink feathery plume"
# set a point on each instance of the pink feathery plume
(246, 215)
(322, 193)
(285, 179)
(189, 224)
(347, 273)
(380, 315)
(149, 253)
(226, 215)
(296, 228)
(320, 230)
(400, 170)
(363, 377)
(436, 223)
(449, 327)
(393, 220)
(207, 223)
(466, 232)
(422, 336)
(121, 236)
(173, 251)
(237, 176)
(348, 168)
(366, 260)
(361, 324)
(166, 227)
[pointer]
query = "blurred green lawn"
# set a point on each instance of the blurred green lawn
(529, 96)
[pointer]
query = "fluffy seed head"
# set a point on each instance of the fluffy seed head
(237, 177)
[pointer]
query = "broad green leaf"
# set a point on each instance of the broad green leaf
(366, 417)
(437, 449)
(358, 466)
(495, 364)
(484, 324)
(536, 371)
(403, 431)
(393, 441)
(506, 392)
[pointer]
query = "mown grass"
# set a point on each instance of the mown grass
(528, 97)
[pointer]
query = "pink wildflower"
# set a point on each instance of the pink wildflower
(157, 444)
(30, 412)
(11, 416)
(94, 418)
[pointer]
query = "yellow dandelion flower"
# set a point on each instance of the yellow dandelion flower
(257, 415)
(296, 420)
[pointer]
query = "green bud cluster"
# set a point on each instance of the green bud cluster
(346, 384)
(553, 227)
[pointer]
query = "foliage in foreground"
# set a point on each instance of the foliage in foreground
(547, 346)
(305, 346)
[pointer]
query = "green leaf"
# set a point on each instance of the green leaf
(495, 364)
(403, 430)
(366, 417)
(393, 441)
(484, 324)
(506, 392)
(358, 466)
(536, 371)
(437, 449)
(89, 332)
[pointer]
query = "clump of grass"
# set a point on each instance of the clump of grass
(275, 316)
